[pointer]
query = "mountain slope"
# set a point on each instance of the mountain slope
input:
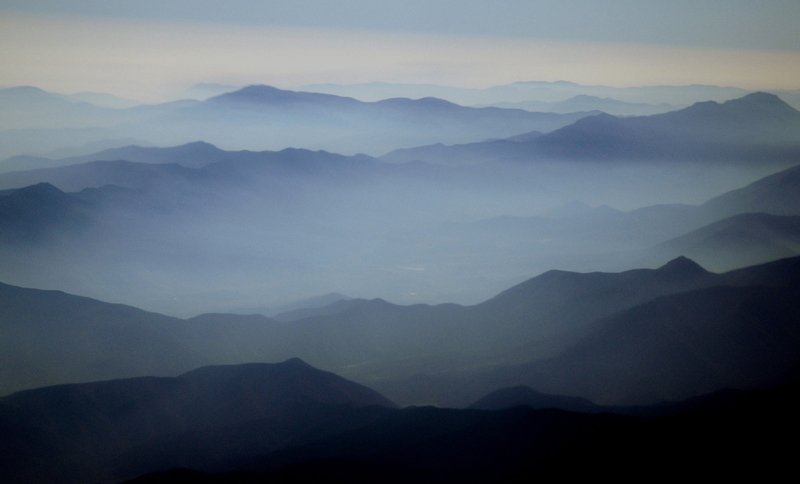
(758, 126)
(50, 337)
(515, 445)
(463, 154)
(261, 97)
(40, 213)
(259, 118)
(745, 239)
(74, 178)
(776, 194)
(623, 347)
(570, 302)
(740, 128)
(103, 422)
(522, 395)
(677, 347)
(191, 155)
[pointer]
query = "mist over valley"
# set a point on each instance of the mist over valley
(342, 244)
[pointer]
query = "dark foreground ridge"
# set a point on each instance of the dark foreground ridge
(122, 428)
(289, 422)
(521, 444)
(683, 266)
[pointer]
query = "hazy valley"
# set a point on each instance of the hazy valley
(347, 283)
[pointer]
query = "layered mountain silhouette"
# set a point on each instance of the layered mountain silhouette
(775, 194)
(339, 305)
(259, 97)
(41, 213)
(192, 155)
(653, 223)
(541, 91)
(679, 347)
(756, 223)
(289, 422)
(748, 237)
(278, 216)
(434, 110)
(466, 154)
(527, 396)
(535, 334)
(74, 178)
(516, 445)
(687, 344)
(583, 102)
(758, 126)
(122, 428)
(258, 118)
(28, 106)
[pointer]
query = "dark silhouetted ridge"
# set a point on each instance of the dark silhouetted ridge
(524, 395)
(683, 266)
(223, 318)
(38, 212)
(279, 384)
(40, 191)
(295, 363)
(197, 418)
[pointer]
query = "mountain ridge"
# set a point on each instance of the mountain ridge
(757, 125)
(369, 341)
(111, 423)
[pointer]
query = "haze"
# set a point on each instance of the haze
(152, 51)
(418, 241)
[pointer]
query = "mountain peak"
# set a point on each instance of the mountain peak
(256, 92)
(261, 94)
(755, 104)
(39, 191)
(762, 97)
(682, 265)
(24, 91)
(198, 145)
(285, 381)
(249, 369)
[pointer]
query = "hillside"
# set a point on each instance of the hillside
(105, 430)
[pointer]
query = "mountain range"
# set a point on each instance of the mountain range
(124, 230)
(540, 91)
(551, 324)
(758, 126)
(583, 102)
(123, 428)
(259, 117)
(572, 295)
(191, 155)
(289, 422)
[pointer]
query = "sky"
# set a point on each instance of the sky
(148, 50)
